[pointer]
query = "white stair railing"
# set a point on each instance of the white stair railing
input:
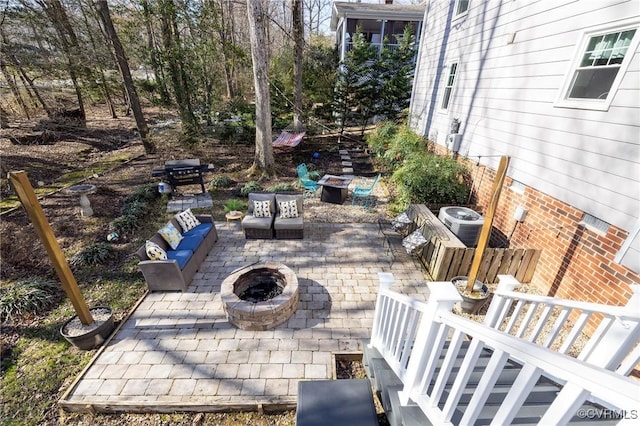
(395, 324)
(581, 382)
(559, 324)
(422, 342)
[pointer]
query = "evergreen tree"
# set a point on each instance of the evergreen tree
(356, 83)
(395, 69)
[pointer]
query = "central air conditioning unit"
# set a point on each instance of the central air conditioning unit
(465, 223)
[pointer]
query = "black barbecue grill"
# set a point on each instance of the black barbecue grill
(183, 172)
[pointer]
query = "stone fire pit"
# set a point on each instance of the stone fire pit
(260, 296)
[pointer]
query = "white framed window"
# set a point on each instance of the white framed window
(600, 62)
(461, 8)
(448, 88)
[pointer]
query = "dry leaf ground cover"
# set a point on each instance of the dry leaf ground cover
(37, 365)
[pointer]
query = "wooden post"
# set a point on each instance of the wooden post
(485, 233)
(28, 198)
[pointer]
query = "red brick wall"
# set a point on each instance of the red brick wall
(577, 262)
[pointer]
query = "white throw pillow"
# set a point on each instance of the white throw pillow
(154, 251)
(262, 208)
(288, 209)
(187, 220)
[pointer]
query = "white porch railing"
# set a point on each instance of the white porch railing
(423, 344)
(541, 320)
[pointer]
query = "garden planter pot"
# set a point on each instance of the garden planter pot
(89, 337)
(471, 303)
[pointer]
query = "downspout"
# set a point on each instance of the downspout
(416, 71)
(343, 49)
(384, 21)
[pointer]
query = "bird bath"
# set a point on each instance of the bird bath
(83, 190)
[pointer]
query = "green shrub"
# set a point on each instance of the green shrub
(281, 187)
(124, 224)
(26, 296)
(251, 186)
(136, 208)
(147, 193)
(380, 140)
(95, 254)
(222, 181)
(233, 204)
(431, 179)
(404, 145)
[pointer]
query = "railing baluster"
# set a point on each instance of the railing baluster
(575, 332)
(520, 390)
(544, 316)
(514, 316)
(557, 326)
(431, 363)
(533, 306)
(491, 373)
(447, 365)
(462, 378)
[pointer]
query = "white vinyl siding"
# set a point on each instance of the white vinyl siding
(506, 98)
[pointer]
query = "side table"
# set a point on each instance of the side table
(233, 215)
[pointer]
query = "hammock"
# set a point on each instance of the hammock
(288, 140)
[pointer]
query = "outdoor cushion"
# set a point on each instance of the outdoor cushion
(292, 223)
(414, 241)
(187, 220)
(262, 196)
(171, 235)
(401, 223)
(180, 256)
(190, 243)
(202, 229)
(154, 251)
(262, 208)
(291, 197)
(288, 209)
(257, 222)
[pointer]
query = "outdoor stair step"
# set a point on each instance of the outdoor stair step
(408, 415)
(383, 375)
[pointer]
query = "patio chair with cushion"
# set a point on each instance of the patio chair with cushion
(363, 193)
(258, 223)
(289, 221)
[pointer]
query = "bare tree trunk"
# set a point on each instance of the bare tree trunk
(156, 62)
(69, 42)
(100, 68)
(263, 161)
(14, 88)
(103, 9)
(28, 81)
(298, 40)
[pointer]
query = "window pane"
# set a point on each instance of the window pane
(593, 43)
(602, 58)
(587, 60)
(593, 83)
(463, 5)
(445, 99)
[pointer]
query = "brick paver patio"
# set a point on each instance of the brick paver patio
(177, 351)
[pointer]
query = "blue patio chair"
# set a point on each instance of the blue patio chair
(302, 170)
(363, 194)
(310, 187)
